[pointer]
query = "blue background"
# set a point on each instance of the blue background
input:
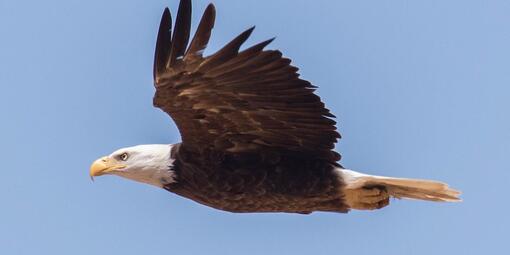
(420, 89)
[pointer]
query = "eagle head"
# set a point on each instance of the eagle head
(151, 164)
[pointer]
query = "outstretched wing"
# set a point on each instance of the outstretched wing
(236, 101)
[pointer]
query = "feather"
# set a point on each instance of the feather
(181, 32)
(227, 52)
(203, 33)
(403, 187)
(163, 43)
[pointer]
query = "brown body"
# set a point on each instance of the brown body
(265, 182)
(255, 138)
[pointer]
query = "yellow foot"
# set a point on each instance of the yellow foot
(367, 198)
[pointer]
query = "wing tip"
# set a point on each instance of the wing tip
(163, 42)
(245, 34)
(210, 7)
(267, 42)
(166, 19)
(250, 29)
(202, 33)
(181, 33)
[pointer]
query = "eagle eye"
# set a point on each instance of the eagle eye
(123, 156)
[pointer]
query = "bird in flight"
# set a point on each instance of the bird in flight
(255, 137)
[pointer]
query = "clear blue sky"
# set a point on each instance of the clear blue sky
(420, 89)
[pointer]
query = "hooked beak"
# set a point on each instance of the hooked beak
(104, 165)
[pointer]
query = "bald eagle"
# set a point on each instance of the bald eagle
(255, 137)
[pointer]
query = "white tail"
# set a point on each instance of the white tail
(402, 187)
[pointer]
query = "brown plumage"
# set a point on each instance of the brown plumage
(237, 101)
(254, 135)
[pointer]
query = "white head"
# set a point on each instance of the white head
(149, 164)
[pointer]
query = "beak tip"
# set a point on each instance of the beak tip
(97, 168)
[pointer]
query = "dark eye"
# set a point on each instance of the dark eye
(123, 156)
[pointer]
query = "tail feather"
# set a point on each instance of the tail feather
(403, 187)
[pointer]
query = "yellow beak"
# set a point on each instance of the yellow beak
(103, 166)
